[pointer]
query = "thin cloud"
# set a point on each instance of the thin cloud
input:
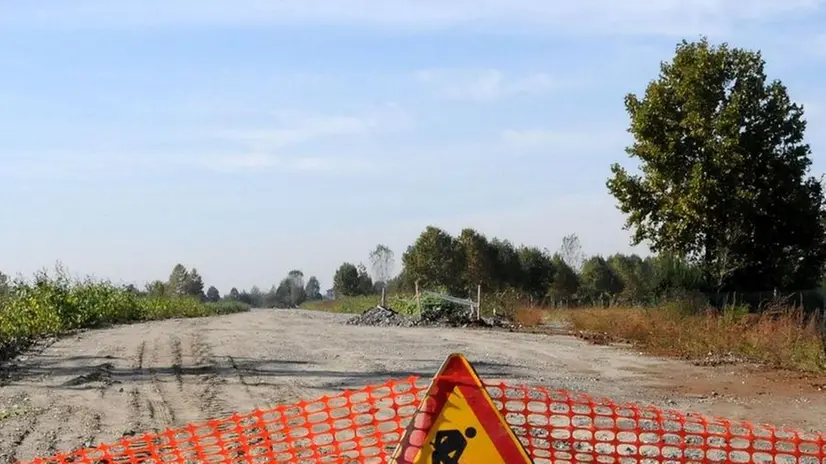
(262, 162)
(564, 141)
(302, 130)
(601, 17)
(485, 84)
(293, 128)
(76, 166)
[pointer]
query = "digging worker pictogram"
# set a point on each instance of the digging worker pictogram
(449, 445)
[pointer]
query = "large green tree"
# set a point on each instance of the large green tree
(724, 172)
(436, 260)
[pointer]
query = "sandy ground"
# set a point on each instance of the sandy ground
(98, 386)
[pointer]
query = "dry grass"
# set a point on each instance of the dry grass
(529, 316)
(780, 337)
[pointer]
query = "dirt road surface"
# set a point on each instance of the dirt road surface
(98, 386)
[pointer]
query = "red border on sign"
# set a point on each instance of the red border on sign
(458, 373)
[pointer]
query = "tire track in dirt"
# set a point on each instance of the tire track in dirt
(136, 413)
(210, 382)
(22, 443)
(160, 409)
(78, 428)
(177, 362)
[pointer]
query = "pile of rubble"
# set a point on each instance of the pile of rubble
(432, 317)
(381, 317)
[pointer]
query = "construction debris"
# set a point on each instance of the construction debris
(431, 317)
(383, 317)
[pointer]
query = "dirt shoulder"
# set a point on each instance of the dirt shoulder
(98, 386)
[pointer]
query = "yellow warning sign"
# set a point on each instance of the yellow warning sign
(458, 423)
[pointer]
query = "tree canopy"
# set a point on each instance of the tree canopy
(723, 178)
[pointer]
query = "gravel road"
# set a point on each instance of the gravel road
(98, 386)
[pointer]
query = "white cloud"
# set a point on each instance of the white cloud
(484, 84)
(636, 17)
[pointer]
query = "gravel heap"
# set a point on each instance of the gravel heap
(450, 316)
(382, 317)
(432, 317)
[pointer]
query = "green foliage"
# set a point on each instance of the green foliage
(365, 283)
(479, 259)
(565, 283)
(537, 272)
(724, 172)
(507, 272)
(313, 289)
(50, 305)
(289, 293)
(436, 258)
(599, 279)
(213, 295)
(183, 282)
(156, 288)
(635, 277)
(346, 280)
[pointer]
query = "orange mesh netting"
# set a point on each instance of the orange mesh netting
(365, 426)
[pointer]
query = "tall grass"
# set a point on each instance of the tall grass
(781, 337)
(51, 305)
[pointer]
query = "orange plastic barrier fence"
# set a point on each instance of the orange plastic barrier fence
(365, 426)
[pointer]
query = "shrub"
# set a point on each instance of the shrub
(53, 305)
(781, 337)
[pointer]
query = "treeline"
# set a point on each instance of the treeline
(567, 276)
(289, 293)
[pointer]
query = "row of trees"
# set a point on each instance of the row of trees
(438, 260)
(720, 192)
(458, 264)
(289, 293)
(351, 279)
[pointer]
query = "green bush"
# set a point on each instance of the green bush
(53, 305)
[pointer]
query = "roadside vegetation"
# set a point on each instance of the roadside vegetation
(717, 186)
(779, 337)
(52, 304)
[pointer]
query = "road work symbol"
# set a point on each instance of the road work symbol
(449, 445)
(458, 423)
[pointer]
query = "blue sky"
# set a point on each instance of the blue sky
(250, 137)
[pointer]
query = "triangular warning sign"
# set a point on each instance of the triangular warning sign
(457, 423)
